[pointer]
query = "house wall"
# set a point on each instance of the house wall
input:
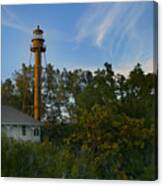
(16, 132)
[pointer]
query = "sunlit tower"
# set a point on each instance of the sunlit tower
(37, 47)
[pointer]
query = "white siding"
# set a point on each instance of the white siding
(16, 133)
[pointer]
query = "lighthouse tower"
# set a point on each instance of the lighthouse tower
(37, 48)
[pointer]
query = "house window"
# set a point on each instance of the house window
(23, 130)
(36, 132)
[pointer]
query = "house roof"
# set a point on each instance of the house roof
(12, 116)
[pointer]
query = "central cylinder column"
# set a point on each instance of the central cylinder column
(37, 85)
(37, 48)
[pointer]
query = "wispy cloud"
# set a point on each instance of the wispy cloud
(117, 30)
(115, 20)
(91, 24)
(13, 21)
(105, 24)
(147, 66)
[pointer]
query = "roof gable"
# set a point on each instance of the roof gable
(12, 116)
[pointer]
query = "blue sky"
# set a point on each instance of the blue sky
(80, 35)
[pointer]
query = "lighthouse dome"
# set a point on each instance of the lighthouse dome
(38, 33)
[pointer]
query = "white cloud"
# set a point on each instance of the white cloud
(115, 21)
(95, 23)
(11, 20)
(147, 66)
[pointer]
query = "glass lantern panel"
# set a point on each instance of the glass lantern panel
(37, 36)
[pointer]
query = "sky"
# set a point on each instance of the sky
(82, 35)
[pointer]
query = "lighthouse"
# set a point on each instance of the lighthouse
(37, 48)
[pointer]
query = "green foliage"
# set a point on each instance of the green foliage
(111, 132)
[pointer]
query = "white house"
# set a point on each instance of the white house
(19, 126)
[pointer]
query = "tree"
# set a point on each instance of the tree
(114, 132)
(7, 92)
(24, 88)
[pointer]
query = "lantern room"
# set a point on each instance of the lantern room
(38, 33)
